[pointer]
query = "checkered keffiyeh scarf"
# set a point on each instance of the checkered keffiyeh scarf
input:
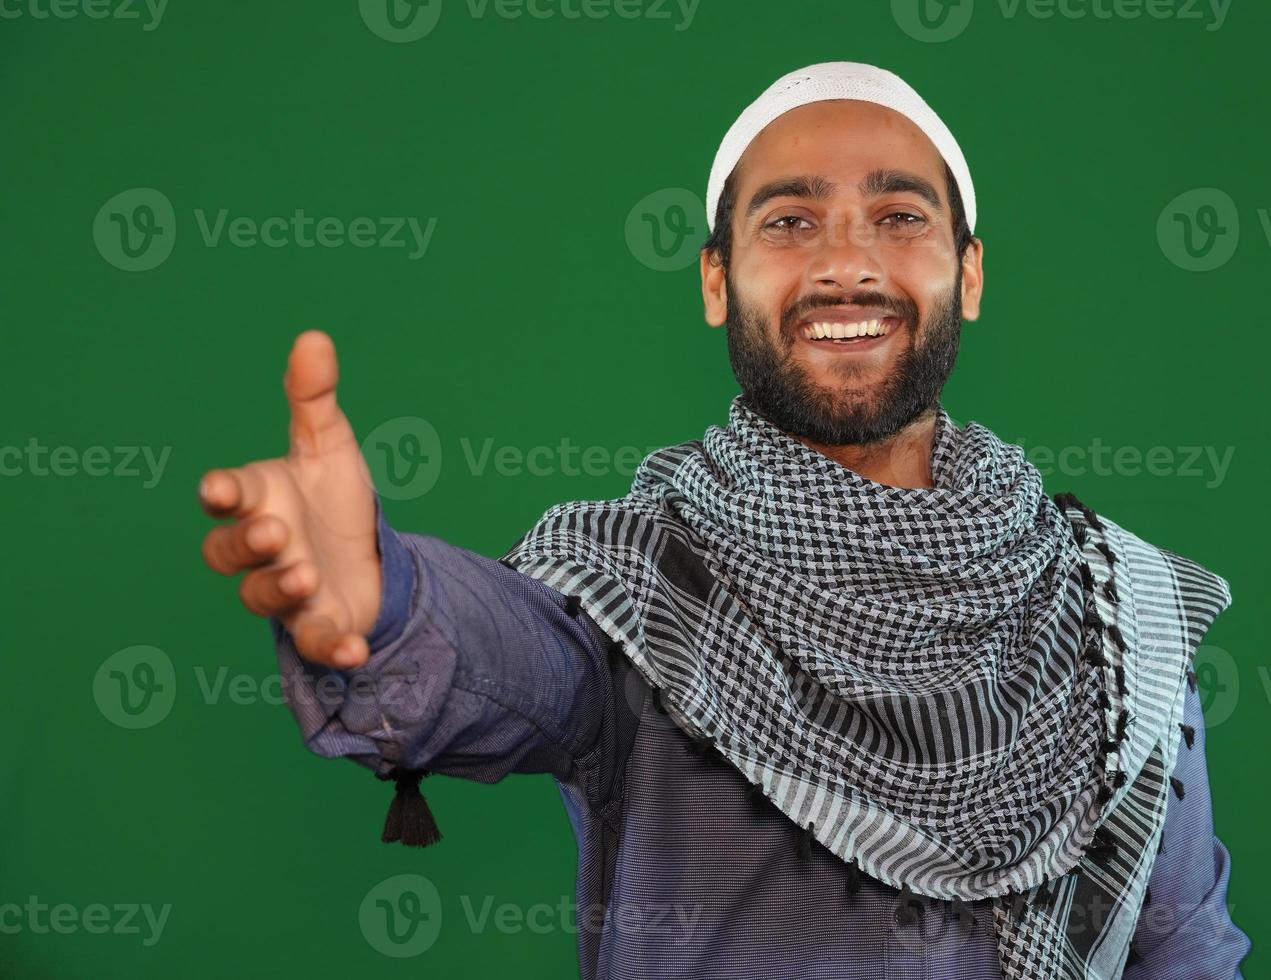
(945, 686)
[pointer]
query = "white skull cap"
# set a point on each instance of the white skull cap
(836, 80)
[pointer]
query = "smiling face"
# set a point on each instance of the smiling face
(842, 225)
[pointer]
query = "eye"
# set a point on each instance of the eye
(908, 221)
(786, 222)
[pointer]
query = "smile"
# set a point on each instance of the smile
(863, 333)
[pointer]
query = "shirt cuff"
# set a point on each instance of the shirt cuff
(397, 583)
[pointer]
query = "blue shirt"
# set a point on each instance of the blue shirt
(478, 671)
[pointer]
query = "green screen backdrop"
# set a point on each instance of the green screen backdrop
(494, 208)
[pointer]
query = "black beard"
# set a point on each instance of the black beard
(775, 387)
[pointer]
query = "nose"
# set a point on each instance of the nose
(847, 255)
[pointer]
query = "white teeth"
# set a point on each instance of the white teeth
(866, 328)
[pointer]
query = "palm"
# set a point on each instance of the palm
(314, 554)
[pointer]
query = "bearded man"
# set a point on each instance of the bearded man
(836, 690)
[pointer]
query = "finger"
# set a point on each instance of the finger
(272, 591)
(310, 381)
(230, 548)
(318, 639)
(231, 492)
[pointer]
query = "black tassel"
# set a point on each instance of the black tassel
(1177, 783)
(1065, 500)
(1123, 719)
(1079, 535)
(658, 703)
(1095, 656)
(1191, 678)
(1104, 794)
(1104, 702)
(1087, 577)
(1106, 747)
(1134, 957)
(573, 605)
(1160, 843)
(701, 747)
(908, 905)
(409, 820)
(1118, 779)
(1189, 733)
(1110, 591)
(853, 884)
(804, 850)
(1102, 847)
(1019, 904)
(1147, 894)
(1120, 676)
(755, 793)
(1114, 632)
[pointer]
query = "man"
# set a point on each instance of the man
(835, 691)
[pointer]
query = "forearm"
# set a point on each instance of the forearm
(476, 671)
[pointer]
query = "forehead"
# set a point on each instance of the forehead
(839, 138)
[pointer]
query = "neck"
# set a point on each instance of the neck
(904, 460)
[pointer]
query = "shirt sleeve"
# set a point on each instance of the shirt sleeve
(476, 670)
(1185, 930)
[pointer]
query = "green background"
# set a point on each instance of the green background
(528, 320)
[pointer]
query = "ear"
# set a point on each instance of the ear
(972, 279)
(714, 293)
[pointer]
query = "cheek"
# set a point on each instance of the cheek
(769, 283)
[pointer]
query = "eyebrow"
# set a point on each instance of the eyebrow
(875, 184)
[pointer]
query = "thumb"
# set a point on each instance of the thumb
(312, 373)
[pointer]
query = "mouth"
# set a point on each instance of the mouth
(857, 335)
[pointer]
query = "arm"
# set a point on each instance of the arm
(475, 670)
(1185, 932)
